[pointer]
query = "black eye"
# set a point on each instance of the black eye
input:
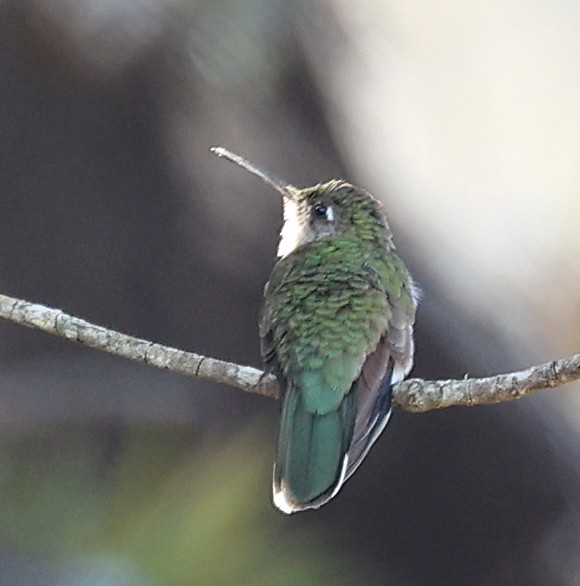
(320, 210)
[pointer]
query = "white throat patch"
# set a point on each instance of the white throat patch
(295, 231)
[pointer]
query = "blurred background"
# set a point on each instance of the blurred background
(463, 118)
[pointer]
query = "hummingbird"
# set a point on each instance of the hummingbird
(336, 329)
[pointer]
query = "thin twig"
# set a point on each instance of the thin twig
(414, 395)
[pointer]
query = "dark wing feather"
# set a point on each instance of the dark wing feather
(388, 364)
(373, 397)
(282, 269)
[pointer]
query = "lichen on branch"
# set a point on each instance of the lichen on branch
(414, 395)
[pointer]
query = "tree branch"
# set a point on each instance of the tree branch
(414, 395)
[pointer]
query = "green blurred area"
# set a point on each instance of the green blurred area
(156, 509)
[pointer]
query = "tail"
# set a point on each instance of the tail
(311, 460)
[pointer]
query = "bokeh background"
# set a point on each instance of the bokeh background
(463, 118)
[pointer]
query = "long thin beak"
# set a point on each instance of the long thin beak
(287, 190)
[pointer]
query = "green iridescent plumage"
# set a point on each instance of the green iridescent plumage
(329, 304)
(336, 330)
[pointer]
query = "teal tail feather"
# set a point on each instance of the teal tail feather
(311, 460)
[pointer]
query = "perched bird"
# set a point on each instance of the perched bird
(337, 331)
